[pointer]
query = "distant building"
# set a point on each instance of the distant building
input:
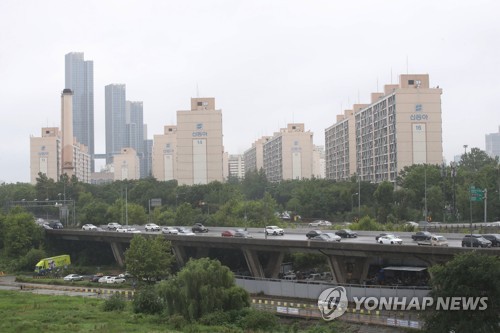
(126, 165)
(493, 144)
(57, 152)
(254, 157)
(318, 161)
(400, 127)
(236, 166)
(199, 143)
(164, 154)
(79, 77)
(115, 114)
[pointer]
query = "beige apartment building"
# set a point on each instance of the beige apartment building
(400, 127)
(288, 154)
(57, 152)
(236, 166)
(164, 154)
(126, 165)
(254, 157)
(191, 152)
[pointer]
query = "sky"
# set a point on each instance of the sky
(267, 63)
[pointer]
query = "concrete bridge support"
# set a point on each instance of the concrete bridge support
(253, 263)
(273, 266)
(118, 253)
(349, 269)
(180, 255)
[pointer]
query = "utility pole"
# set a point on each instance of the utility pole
(485, 204)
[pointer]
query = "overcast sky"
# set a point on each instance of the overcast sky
(266, 62)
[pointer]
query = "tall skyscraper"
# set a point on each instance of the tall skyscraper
(135, 126)
(116, 128)
(493, 144)
(79, 77)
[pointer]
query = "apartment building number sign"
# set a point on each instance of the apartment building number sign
(199, 131)
(418, 116)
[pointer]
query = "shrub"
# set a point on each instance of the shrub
(147, 300)
(259, 320)
(115, 303)
(215, 318)
(177, 321)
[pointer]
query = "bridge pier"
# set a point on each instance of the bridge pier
(273, 266)
(180, 255)
(118, 253)
(253, 263)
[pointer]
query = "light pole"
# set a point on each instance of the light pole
(352, 200)
(453, 175)
(425, 192)
(465, 148)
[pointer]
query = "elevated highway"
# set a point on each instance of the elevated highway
(348, 261)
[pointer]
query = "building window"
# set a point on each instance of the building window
(411, 82)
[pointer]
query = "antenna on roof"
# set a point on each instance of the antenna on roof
(197, 91)
(391, 75)
(377, 85)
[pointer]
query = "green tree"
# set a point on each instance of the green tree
(254, 185)
(384, 197)
(203, 286)
(468, 275)
(21, 233)
(149, 259)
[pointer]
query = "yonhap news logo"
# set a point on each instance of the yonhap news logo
(332, 303)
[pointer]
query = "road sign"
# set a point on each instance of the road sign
(476, 194)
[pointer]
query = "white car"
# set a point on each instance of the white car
(185, 232)
(274, 230)
(152, 227)
(73, 277)
(115, 279)
(169, 230)
(320, 223)
(90, 227)
(334, 237)
(114, 226)
(390, 239)
(127, 229)
(411, 224)
(104, 279)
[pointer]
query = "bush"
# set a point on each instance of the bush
(259, 320)
(147, 300)
(115, 303)
(215, 318)
(177, 321)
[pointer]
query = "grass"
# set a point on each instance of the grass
(26, 312)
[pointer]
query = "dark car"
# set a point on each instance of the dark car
(198, 227)
(313, 233)
(346, 233)
(494, 239)
(56, 225)
(475, 240)
(421, 236)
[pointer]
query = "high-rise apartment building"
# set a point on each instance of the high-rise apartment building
(199, 143)
(318, 161)
(288, 154)
(165, 154)
(493, 144)
(254, 157)
(79, 77)
(236, 166)
(126, 165)
(57, 152)
(116, 128)
(400, 127)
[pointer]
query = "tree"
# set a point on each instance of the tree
(149, 259)
(384, 197)
(468, 275)
(20, 233)
(203, 286)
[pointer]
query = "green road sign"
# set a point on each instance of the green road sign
(476, 194)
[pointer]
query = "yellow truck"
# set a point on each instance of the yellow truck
(47, 265)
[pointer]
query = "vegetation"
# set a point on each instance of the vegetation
(467, 275)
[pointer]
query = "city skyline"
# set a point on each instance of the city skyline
(266, 64)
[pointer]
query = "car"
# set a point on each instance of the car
(390, 239)
(184, 231)
(151, 227)
(381, 234)
(411, 224)
(494, 224)
(90, 227)
(114, 226)
(115, 279)
(323, 238)
(493, 238)
(125, 275)
(274, 230)
(421, 236)
(169, 230)
(313, 233)
(228, 233)
(56, 225)
(475, 240)
(46, 226)
(242, 233)
(128, 229)
(346, 233)
(104, 279)
(435, 240)
(334, 237)
(320, 223)
(198, 227)
(73, 277)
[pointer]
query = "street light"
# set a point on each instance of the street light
(352, 200)
(465, 147)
